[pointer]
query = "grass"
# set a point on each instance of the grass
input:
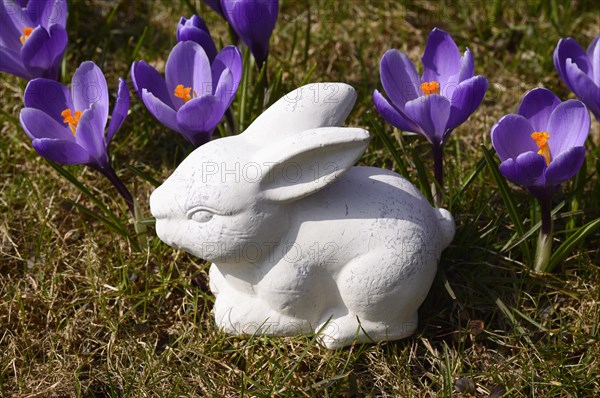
(84, 314)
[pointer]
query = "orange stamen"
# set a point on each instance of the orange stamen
(26, 33)
(71, 119)
(430, 88)
(541, 139)
(183, 92)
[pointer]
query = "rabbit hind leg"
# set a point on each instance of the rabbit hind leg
(339, 332)
(381, 295)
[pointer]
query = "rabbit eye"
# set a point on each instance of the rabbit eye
(200, 215)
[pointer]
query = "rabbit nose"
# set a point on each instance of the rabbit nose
(159, 206)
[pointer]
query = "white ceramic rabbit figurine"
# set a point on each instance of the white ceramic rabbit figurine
(299, 239)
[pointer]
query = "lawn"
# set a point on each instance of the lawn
(86, 312)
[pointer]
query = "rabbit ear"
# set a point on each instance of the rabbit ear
(309, 161)
(308, 107)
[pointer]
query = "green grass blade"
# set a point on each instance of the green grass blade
(567, 246)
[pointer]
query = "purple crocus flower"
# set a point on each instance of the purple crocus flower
(253, 21)
(67, 126)
(194, 29)
(195, 94)
(216, 6)
(542, 145)
(32, 39)
(437, 102)
(580, 70)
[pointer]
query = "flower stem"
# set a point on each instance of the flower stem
(544, 243)
(233, 36)
(438, 173)
(120, 187)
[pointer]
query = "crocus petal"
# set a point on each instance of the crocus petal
(224, 92)
(188, 65)
(200, 116)
(119, 111)
(467, 66)
(593, 53)
(49, 96)
(537, 106)
(146, 77)
(89, 87)
(90, 133)
(229, 58)
(63, 152)
(161, 111)
(10, 62)
(570, 49)
(584, 88)
(441, 59)
(565, 165)
(254, 21)
(194, 29)
(43, 51)
(38, 124)
(511, 136)
(47, 12)
(399, 78)
(12, 21)
(466, 99)
(393, 115)
(216, 6)
(527, 169)
(431, 113)
(568, 127)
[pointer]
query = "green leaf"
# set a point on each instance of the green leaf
(468, 181)
(115, 222)
(514, 242)
(143, 175)
(567, 246)
(190, 7)
(578, 185)
(388, 144)
(245, 83)
(422, 175)
(94, 214)
(257, 98)
(136, 49)
(307, 77)
(507, 197)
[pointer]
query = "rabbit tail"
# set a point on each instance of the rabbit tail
(447, 226)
